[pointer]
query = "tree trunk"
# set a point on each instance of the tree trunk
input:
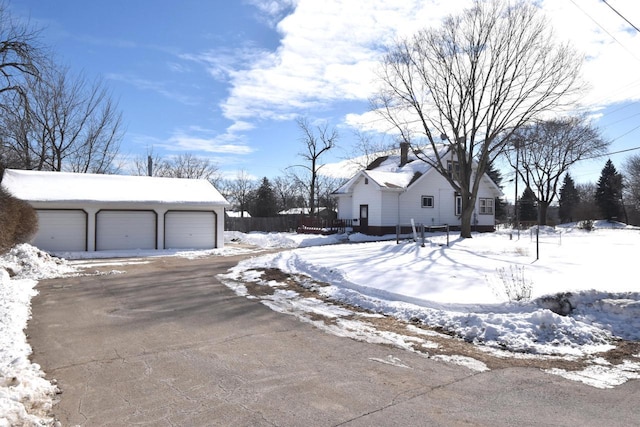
(543, 208)
(465, 219)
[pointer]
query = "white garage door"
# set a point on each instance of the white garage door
(189, 230)
(61, 230)
(117, 230)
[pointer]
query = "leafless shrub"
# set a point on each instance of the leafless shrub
(512, 283)
(18, 221)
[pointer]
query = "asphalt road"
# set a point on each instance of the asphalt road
(166, 344)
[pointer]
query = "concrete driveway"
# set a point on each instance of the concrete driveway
(166, 344)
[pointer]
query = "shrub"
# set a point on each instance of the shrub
(18, 221)
(512, 283)
(586, 224)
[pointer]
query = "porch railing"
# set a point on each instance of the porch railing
(313, 225)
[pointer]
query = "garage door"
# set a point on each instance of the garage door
(61, 230)
(117, 230)
(189, 230)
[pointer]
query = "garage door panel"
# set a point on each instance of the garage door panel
(117, 230)
(61, 230)
(190, 230)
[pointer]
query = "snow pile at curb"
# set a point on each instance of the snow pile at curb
(26, 397)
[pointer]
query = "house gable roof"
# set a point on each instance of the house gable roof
(42, 186)
(387, 173)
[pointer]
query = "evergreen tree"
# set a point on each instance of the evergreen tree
(265, 200)
(500, 205)
(569, 199)
(527, 206)
(609, 192)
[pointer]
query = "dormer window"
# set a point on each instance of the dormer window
(453, 168)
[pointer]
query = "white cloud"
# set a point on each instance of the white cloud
(222, 144)
(271, 11)
(329, 50)
(610, 45)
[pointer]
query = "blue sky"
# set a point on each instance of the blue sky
(226, 79)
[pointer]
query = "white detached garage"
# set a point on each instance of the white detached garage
(88, 212)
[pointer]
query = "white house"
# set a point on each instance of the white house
(90, 212)
(397, 188)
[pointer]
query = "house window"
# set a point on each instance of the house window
(486, 206)
(453, 168)
(366, 181)
(427, 201)
(458, 204)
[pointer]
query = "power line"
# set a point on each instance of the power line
(612, 152)
(620, 15)
(604, 29)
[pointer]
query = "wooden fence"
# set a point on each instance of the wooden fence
(287, 223)
(283, 223)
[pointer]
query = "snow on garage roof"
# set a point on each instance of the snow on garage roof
(39, 186)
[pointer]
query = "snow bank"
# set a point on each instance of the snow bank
(283, 240)
(26, 397)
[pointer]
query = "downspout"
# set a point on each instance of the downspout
(398, 213)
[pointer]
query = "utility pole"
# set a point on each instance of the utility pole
(515, 200)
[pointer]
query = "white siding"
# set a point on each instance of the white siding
(367, 194)
(442, 211)
(120, 229)
(345, 207)
(61, 230)
(389, 209)
(190, 230)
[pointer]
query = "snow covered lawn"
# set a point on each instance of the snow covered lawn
(573, 302)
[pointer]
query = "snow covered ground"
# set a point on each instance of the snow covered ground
(462, 288)
(25, 395)
(572, 302)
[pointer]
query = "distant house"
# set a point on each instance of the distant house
(237, 214)
(90, 212)
(322, 212)
(397, 188)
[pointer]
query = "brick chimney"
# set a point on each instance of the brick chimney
(404, 153)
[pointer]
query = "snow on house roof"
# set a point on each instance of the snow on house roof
(42, 186)
(387, 172)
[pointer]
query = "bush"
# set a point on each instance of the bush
(512, 284)
(18, 221)
(586, 224)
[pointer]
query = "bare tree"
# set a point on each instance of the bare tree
(587, 208)
(326, 186)
(239, 190)
(542, 152)
(66, 123)
(368, 148)
(286, 192)
(474, 81)
(21, 58)
(185, 165)
(20, 52)
(316, 142)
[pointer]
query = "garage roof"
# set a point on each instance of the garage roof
(43, 186)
